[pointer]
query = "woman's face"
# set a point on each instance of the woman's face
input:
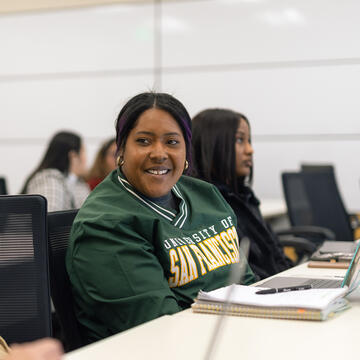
(110, 158)
(154, 154)
(243, 149)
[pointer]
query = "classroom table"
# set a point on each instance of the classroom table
(186, 335)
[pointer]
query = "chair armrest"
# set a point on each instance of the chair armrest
(315, 233)
(299, 244)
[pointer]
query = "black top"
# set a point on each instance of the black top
(266, 255)
(168, 201)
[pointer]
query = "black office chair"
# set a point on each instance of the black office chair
(327, 207)
(24, 279)
(311, 202)
(352, 219)
(59, 226)
(3, 188)
(298, 205)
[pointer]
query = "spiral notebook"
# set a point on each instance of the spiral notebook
(313, 304)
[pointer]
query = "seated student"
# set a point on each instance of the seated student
(59, 177)
(104, 163)
(148, 238)
(223, 156)
(44, 349)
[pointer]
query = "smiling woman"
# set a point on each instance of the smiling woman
(154, 156)
(148, 238)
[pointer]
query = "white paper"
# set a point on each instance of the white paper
(245, 295)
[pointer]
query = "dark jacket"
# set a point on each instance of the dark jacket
(266, 256)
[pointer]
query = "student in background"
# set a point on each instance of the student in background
(143, 244)
(104, 163)
(59, 177)
(44, 349)
(223, 156)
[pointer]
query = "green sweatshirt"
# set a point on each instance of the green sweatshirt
(131, 260)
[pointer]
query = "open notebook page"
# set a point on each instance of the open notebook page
(245, 295)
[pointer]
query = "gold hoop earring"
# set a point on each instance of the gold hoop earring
(120, 161)
(186, 165)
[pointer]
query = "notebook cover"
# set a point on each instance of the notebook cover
(261, 312)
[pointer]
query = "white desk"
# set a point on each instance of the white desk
(271, 208)
(185, 336)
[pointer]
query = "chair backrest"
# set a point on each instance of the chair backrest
(317, 168)
(59, 226)
(312, 198)
(3, 188)
(25, 313)
(298, 205)
(327, 206)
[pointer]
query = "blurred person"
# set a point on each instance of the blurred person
(105, 162)
(44, 349)
(223, 156)
(60, 175)
(148, 237)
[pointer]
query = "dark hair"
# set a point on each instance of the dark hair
(57, 154)
(213, 141)
(98, 170)
(131, 111)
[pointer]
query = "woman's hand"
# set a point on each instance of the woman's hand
(44, 349)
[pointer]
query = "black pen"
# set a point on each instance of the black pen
(284, 289)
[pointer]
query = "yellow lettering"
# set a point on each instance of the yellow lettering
(202, 259)
(193, 272)
(235, 235)
(224, 247)
(184, 277)
(235, 240)
(227, 240)
(209, 255)
(174, 269)
(214, 249)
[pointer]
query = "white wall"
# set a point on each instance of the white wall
(292, 66)
(70, 69)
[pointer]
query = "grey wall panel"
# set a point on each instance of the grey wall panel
(93, 39)
(272, 158)
(35, 110)
(296, 101)
(38, 108)
(197, 33)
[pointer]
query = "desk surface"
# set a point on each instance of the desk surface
(185, 336)
(272, 208)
